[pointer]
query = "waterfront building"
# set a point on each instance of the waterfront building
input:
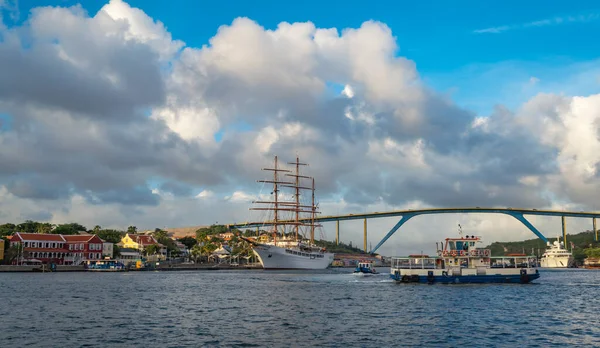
(56, 248)
(86, 247)
(183, 250)
(129, 256)
(107, 249)
(141, 242)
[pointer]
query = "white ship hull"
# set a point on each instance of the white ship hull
(556, 262)
(274, 257)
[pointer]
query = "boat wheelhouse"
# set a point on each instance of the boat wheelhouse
(364, 268)
(460, 261)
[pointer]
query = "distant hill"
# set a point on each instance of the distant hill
(537, 247)
(339, 248)
(180, 232)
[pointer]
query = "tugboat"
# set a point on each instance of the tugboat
(364, 269)
(460, 261)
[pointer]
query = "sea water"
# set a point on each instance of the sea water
(330, 308)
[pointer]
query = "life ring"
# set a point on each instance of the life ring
(453, 253)
(461, 253)
(486, 252)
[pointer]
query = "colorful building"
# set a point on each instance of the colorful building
(57, 248)
(141, 242)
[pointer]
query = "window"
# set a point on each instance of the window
(81, 246)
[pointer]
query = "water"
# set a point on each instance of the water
(297, 309)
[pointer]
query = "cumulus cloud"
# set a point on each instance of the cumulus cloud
(113, 119)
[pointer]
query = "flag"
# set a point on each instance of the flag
(572, 245)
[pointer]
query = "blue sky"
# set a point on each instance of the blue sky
(476, 51)
(222, 111)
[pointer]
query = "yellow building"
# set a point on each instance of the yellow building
(1, 249)
(140, 242)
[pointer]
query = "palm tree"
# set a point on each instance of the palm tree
(132, 229)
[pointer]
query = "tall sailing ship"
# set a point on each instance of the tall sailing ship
(290, 219)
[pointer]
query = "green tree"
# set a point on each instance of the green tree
(7, 229)
(70, 228)
(44, 227)
(189, 242)
(592, 253)
(11, 254)
(132, 230)
(112, 236)
(116, 251)
(152, 249)
(96, 229)
(28, 226)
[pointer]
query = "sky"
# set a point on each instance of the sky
(161, 114)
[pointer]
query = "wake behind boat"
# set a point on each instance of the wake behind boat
(287, 248)
(460, 261)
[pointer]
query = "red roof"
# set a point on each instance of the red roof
(38, 236)
(143, 239)
(83, 238)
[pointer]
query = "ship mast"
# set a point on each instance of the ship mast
(312, 215)
(297, 188)
(276, 204)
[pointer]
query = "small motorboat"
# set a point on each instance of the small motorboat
(364, 269)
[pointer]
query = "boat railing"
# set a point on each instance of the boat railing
(513, 262)
(414, 263)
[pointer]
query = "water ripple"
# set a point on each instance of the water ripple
(299, 309)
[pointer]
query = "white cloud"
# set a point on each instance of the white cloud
(205, 194)
(387, 142)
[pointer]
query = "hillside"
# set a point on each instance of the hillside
(340, 248)
(537, 247)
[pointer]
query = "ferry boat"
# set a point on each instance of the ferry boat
(556, 256)
(364, 269)
(106, 265)
(288, 249)
(460, 261)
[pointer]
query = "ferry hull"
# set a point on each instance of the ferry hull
(274, 257)
(468, 279)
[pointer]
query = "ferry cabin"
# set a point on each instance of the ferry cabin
(459, 261)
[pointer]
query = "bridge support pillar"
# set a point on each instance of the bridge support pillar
(564, 230)
(528, 224)
(595, 230)
(365, 236)
(337, 232)
(392, 231)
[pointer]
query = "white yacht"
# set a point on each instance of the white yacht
(287, 248)
(556, 256)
